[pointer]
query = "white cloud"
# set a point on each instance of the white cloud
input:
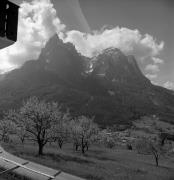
(151, 76)
(130, 42)
(157, 60)
(37, 23)
(155, 83)
(169, 85)
(153, 68)
(127, 40)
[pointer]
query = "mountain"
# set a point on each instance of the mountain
(113, 89)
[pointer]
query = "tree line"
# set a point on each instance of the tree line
(44, 122)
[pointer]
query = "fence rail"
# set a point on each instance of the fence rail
(23, 165)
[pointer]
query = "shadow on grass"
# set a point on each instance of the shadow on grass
(63, 157)
(93, 177)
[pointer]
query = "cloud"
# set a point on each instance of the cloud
(130, 42)
(155, 83)
(169, 85)
(151, 76)
(37, 23)
(127, 40)
(153, 68)
(157, 60)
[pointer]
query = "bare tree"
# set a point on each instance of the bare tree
(6, 127)
(40, 120)
(22, 134)
(107, 139)
(83, 131)
(16, 118)
(150, 146)
(62, 130)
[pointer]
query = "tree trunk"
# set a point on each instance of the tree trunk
(22, 140)
(60, 142)
(83, 149)
(163, 141)
(40, 152)
(77, 146)
(156, 160)
(83, 146)
(3, 137)
(87, 146)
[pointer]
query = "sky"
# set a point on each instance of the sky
(143, 28)
(154, 17)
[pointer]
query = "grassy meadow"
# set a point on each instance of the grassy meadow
(99, 163)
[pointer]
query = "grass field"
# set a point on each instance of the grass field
(99, 163)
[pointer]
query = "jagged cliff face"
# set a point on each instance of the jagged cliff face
(62, 59)
(113, 65)
(114, 90)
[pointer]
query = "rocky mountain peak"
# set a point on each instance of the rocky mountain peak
(114, 64)
(62, 59)
(112, 52)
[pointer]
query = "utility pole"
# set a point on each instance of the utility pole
(8, 23)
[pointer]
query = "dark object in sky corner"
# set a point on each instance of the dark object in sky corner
(12, 21)
(8, 23)
(2, 18)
